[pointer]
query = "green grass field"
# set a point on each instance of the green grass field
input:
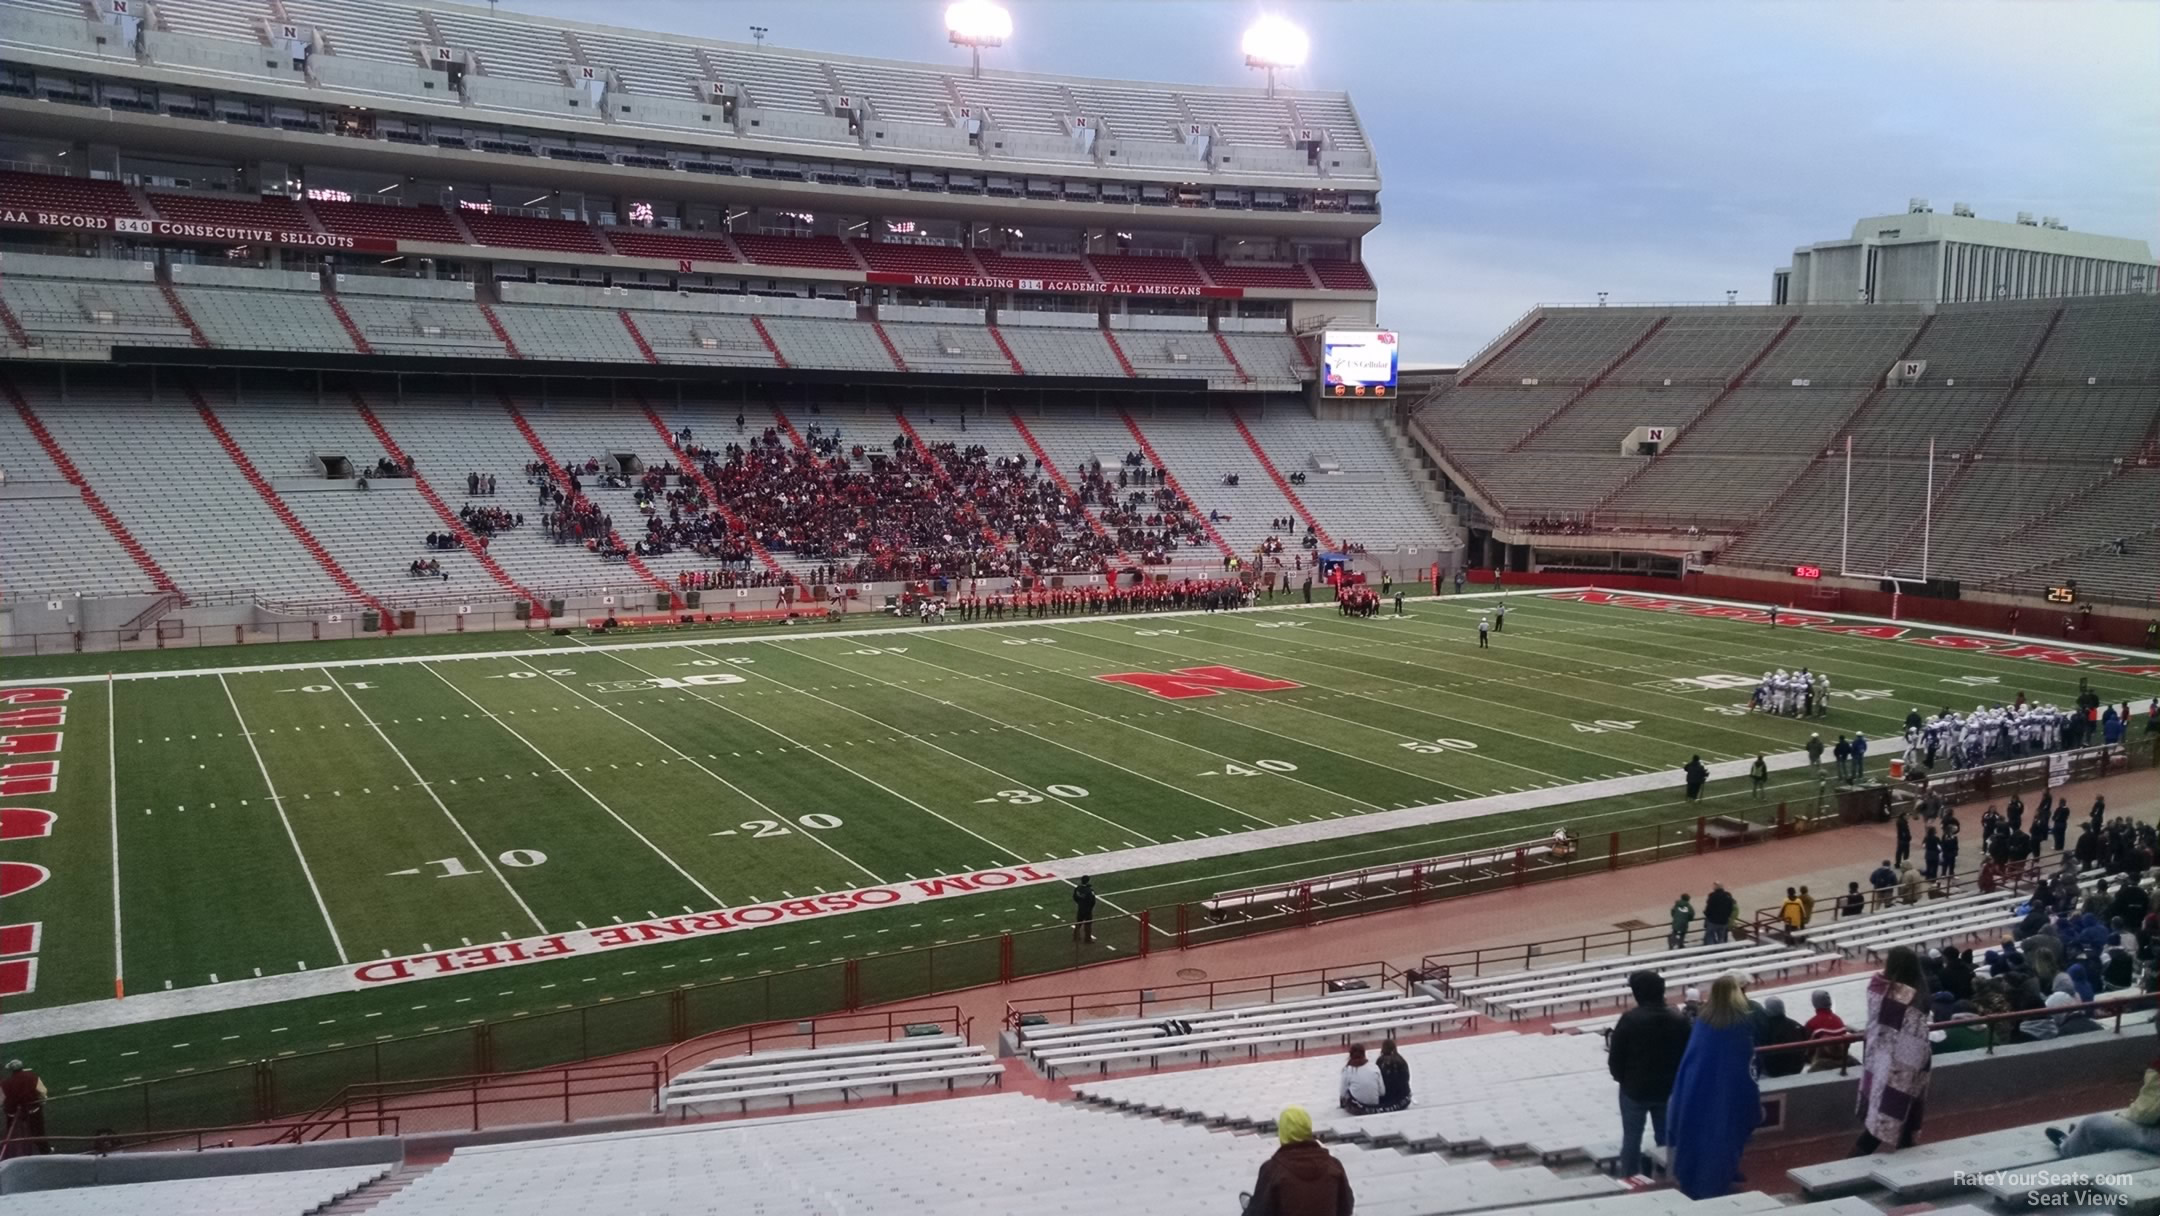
(217, 827)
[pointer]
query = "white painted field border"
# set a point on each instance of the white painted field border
(742, 639)
(1030, 623)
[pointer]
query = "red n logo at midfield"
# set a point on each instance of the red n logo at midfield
(1188, 682)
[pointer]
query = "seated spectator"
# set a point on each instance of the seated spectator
(1360, 1083)
(2137, 1126)
(1394, 1077)
(1825, 1024)
(1774, 1029)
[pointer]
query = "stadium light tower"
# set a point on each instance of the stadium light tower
(976, 24)
(1272, 43)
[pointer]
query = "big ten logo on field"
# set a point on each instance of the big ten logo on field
(1188, 682)
(32, 717)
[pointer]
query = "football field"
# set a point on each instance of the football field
(387, 842)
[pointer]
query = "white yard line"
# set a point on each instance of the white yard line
(1010, 780)
(290, 835)
(865, 778)
(112, 777)
(662, 854)
(1081, 752)
(814, 837)
(428, 787)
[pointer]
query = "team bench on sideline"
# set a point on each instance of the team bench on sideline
(679, 620)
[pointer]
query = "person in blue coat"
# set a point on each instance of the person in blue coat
(1715, 1105)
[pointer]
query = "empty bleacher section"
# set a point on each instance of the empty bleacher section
(768, 1080)
(1545, 991)
(2039, 414)
(286, 1193)
(56, 544)
(1357, 484)
(139, 455)
(76, 305)
(1110, 1045)
(1065, 1158)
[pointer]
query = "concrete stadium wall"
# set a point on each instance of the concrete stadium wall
(21, 1175)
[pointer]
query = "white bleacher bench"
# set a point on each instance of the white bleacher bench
(1289, 893)
(859, 1066)
(784, 1078)
(1427, 1013)
(1033, 1037)
(1189, 1032)
(1838, 934)
(1934, 932)
(1780, 963)
(1485, 988)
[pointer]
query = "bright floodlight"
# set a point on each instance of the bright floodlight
(1275, 43)
(978, 23)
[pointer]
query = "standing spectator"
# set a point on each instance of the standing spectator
(1843, 752)
(1302, 1178)
(2138, 1126)
(1683, 915)
(22, 1105)
(1715, 1105)
(1084, 910)
(1904, 839)
(1909, 886)
(1884, 881)
(1859, 757)
(1394, 1077)
(1792, 913)
(1807, 907)
(1758, 776)
(1644, 1054)
(1949, 845)
(1361, 1087)
(1895, 1055)
(1814, 754)
(1696, 775)
(1931, 855)
(1717, 914)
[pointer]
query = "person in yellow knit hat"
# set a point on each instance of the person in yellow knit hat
(1302, 1178)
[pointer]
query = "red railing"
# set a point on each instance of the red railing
(1185, 995)
(462, 1103)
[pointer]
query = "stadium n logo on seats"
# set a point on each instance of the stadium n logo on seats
(1188, 682)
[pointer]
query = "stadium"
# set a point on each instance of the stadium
(593, 614)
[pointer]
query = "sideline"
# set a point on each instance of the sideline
(741, 639)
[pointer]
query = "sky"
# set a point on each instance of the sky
(1542, 151)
